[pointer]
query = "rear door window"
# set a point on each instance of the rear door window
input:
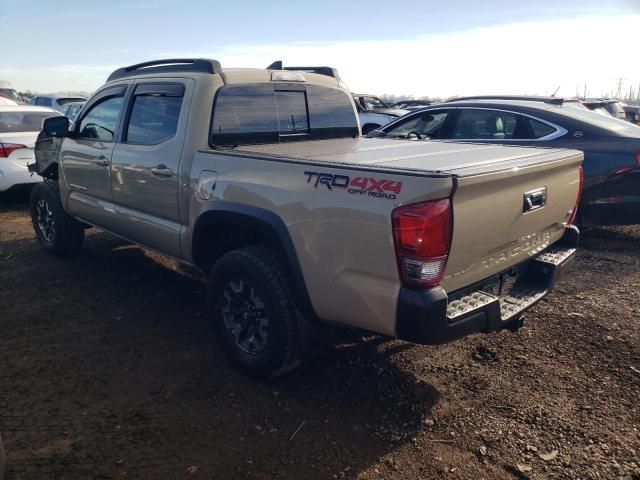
(482, 124)
(43, 102)
(23, 121)
(540, 129)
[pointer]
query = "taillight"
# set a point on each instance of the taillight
(7, 148)
(422, 237)
(575, 208)
(638, 158)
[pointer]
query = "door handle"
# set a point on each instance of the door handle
(162, 171)
(102, 161)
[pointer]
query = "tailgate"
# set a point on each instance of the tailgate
(505, 213)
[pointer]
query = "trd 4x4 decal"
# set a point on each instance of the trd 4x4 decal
(372, 187)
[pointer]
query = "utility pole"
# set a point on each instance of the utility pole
(619, 90)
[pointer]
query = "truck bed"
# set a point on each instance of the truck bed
(429, 157)
(488, 186)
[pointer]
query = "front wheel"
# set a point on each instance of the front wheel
(253, 312)
(369, 127)
(58, 233)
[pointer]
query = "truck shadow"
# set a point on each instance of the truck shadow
(15, 199)
(624, 239)
(108, 370)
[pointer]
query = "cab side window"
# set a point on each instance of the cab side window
(154, 114)
(101, 120)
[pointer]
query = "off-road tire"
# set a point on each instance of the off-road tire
(259, 268)
(66, 238)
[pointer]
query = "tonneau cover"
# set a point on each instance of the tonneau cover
(460, 159)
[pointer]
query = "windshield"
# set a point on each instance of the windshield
(371, 103)
(10, 93)
(23, 121)
(607, 122)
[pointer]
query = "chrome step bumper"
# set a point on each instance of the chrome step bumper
(433, 316)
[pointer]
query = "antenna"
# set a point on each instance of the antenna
(554, 93)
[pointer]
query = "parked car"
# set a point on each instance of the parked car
(56, 102)
(7, 91)
(411, 104)
(5, 101)
(612, 107)
(72, 109)
(573, 102)
(19, 128)
(611, 193)
(373, 112)
(261, 179)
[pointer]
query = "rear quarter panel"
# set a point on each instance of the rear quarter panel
(343, 240)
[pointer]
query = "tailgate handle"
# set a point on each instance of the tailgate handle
(534, 199)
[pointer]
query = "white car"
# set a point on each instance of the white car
(19, 129)
(7, 101)
(7, 92)
(373, 112)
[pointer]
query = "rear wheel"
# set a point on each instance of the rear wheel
(253, 312)
(58, 233)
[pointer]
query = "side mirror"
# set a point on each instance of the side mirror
(57, 127)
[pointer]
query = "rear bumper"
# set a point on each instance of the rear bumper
(432, 317)
(11, 175)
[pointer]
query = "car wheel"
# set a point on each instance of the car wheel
(368, 127)
(253, 312)
(58, 233)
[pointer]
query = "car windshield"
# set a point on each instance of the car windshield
(372, 103)
(10, 93)
(23, 121)
(607, 122)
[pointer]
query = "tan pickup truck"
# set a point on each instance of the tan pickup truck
(261, 179)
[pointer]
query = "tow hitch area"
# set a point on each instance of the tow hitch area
(502, 300)
(516, 324)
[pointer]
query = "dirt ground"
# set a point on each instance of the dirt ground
(107, 371)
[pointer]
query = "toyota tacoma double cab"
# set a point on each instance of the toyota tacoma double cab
(261, 179)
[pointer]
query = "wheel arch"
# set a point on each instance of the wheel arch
(228, 226)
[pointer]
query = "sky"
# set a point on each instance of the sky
(414, 48)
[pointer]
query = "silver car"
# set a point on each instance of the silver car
(56, 102)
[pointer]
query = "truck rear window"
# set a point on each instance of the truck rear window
(270, 113)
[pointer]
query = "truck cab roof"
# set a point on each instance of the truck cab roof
(315, 75)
